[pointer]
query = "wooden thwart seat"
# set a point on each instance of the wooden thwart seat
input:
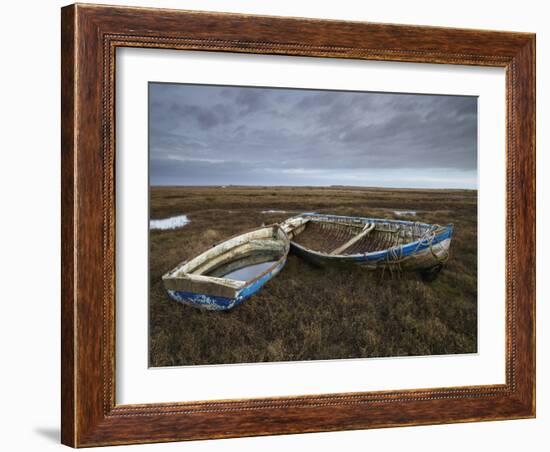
(366, 230)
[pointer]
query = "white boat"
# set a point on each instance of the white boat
(230, 272)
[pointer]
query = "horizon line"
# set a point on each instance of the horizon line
(310, 186)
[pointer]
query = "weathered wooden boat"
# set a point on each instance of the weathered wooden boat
(230, 272)
(372, 242)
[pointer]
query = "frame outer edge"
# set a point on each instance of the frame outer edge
(68, 242)
(525, 62)
(534, 230)
(86, 418)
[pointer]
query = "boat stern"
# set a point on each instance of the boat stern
(204, 301)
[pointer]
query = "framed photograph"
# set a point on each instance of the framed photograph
(280, 225)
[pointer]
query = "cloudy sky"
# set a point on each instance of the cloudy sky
(221, 135)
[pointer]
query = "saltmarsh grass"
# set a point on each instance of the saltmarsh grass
(309, 313)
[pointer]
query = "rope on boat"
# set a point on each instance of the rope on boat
(395, 257)
(428, 239)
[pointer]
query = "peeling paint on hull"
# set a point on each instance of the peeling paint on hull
(218, 303)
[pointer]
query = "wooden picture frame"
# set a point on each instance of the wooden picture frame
(90, 36)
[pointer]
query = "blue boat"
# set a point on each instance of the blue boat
(374, 243)
(231, 272)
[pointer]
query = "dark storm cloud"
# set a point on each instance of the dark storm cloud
(250, 100)
(216, 135)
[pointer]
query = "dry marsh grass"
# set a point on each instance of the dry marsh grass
(308, 313)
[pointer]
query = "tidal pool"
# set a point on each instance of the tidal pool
(169, 223)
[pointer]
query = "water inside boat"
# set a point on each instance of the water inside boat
(249, 272)
(246, 267)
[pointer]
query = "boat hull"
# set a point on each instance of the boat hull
(209, 281)
(426, 252)
(419, 260)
